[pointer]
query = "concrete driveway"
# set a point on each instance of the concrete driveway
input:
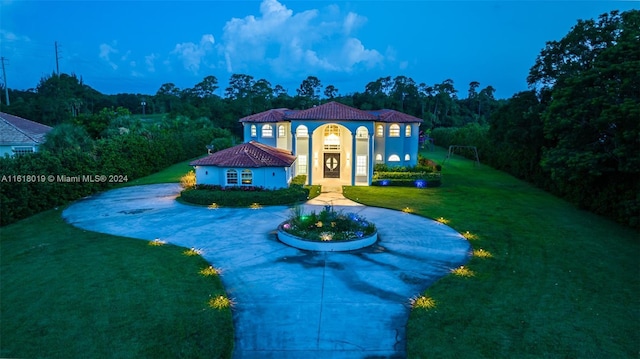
(292, 303)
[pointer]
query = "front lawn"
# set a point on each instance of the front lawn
(170, 174)
(547, 280)
(70, 293)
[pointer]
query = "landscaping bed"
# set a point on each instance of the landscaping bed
(425, 175)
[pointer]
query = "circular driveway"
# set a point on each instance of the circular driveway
(292, 303)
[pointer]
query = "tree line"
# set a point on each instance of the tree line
(62, 98)
(577, 132)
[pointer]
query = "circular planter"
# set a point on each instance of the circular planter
(328, 246)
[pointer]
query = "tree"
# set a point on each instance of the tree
(262, 95)
(330, 92)
(592, 76)
(240, 87)
(445, 108)
(168, 96)
(516, 132)
(239, 97)
(309, 91)
(206, 88)
(403, 91)
(67, 137)
(59, 97)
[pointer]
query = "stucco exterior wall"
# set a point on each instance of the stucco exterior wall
(267, 177)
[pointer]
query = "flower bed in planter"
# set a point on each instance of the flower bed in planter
(327, 231)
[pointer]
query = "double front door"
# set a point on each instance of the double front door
(331, 165)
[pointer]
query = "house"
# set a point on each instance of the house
(19, 136)
(249, 164)
(337, 143)
(331, 143)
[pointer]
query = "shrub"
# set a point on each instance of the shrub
(299, 180)
(188, 180)
(243, 196)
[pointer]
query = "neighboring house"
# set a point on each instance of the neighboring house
(19, 136)
(337, 143)
(248, 164)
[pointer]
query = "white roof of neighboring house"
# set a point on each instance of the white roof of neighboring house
(16, 130)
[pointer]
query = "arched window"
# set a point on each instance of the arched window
(281, 131)
(362, 132)
(254, 132)
(380, 131)
(247, 177)
(332, 137)
(302, 131)
(394, 158)
(232, 177)
(378, 157)
(407, 131)
(394, 130)
(407, 157)
(267, 131)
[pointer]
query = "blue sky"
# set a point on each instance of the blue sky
(136, 46)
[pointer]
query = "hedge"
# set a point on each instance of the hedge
(244, 196)
(132, 155)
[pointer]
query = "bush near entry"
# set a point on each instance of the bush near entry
(244, 196)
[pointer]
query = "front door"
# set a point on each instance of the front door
(331, 165)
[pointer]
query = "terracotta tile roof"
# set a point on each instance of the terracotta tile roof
(332, 111)
(386, 115)
(16, 130)
(275, 115)
(249, 155)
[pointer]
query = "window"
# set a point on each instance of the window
(253, 131)
(332, 138)
(281, 131)
(267, 131)
(23, 150)
(302, 164)
(378, 157)
(361, 165)
(302, 131)
(407, 131)
(407, 157)
(362, 132)
(394, 158)
(232, 177)
(247, 177)
(394, 130)
(380, 131)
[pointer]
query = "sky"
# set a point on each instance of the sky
(136, 46)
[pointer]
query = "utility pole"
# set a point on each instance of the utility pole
(57, 58)
(4, 79)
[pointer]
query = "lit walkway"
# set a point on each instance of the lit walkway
(293, 303)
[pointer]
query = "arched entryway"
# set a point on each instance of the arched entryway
(332, 155)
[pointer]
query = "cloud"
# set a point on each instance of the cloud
(149, 60)
(296, 43)
(8, 36)
(352, 21)
(193, 55)
(105, 54)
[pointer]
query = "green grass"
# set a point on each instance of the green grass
(70, 293)
(559, 282)
(170, 174)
